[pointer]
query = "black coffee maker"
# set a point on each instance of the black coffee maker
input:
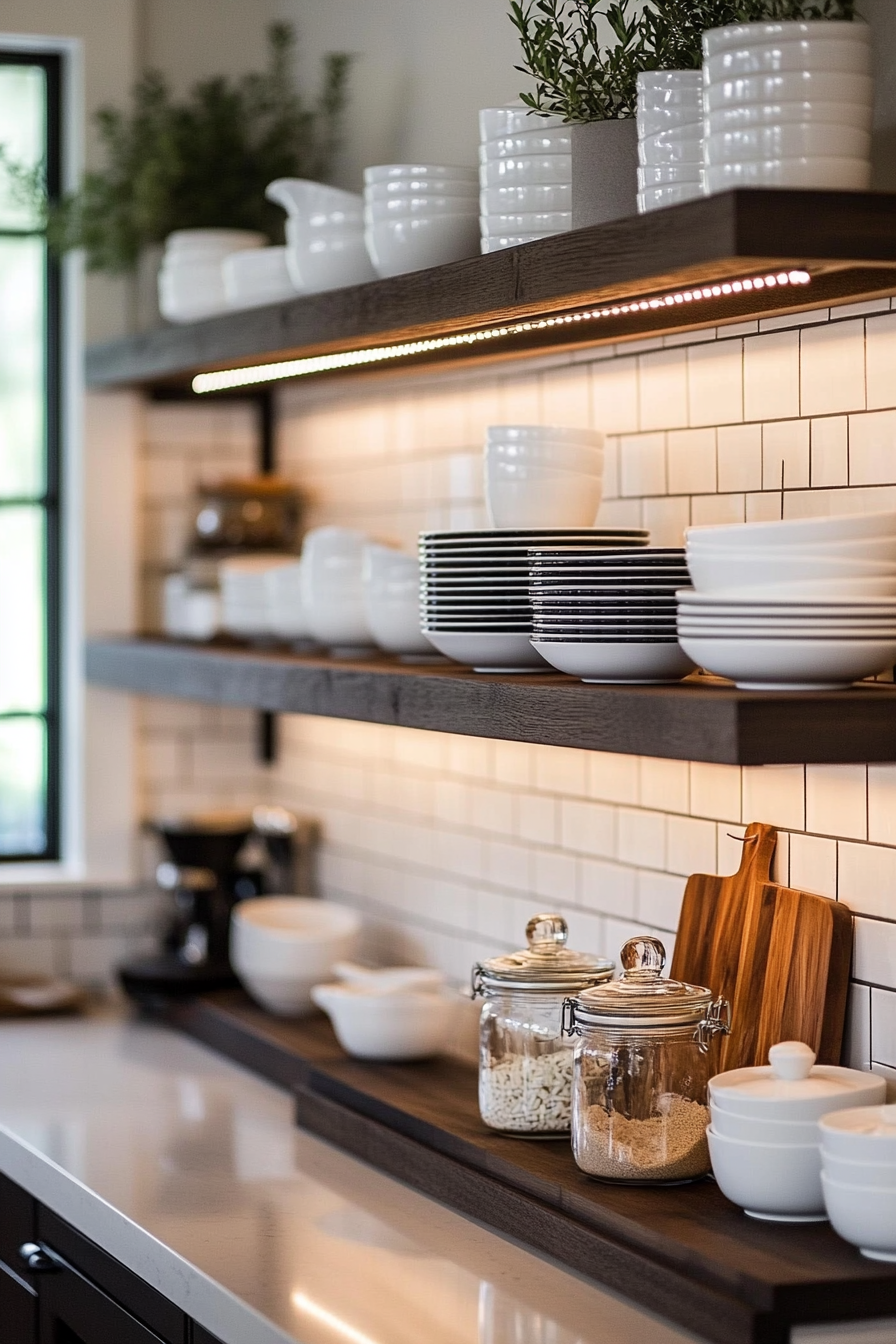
(214, 859)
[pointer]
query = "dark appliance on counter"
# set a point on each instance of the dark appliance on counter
(214, 860)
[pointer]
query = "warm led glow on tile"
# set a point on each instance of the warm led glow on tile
(329, 1318)
(227, 379)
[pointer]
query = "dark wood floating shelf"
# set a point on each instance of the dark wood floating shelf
(684, 1252)
(701, 719)
(845, 240)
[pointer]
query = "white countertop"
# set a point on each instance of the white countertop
(191, 1172)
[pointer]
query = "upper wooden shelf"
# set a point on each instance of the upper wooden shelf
(845, 240)
(702, 719)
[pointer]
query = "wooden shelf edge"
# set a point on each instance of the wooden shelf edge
(700, 719)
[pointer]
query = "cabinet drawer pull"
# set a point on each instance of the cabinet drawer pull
(38, 1258)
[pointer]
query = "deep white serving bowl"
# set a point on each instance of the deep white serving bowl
(280, 946)
(593, 438)
(735, 35)
(401, 206)
(866, 1218)
(793, 139)
(407, 244)
(285, 607)
(559, 499)
(870, 1175)
(795, 531)
(658, 198)
(791, 664)
(794, 86)
(332, 589)
(672, 148)
(775, 1182)
(391, 582)
(256, 276)
(639, 663)
(860, 1134)
(515, 119)
(527, 170)
(725, 571)
(397, 172)
(545, 453)
(538, 198)
(796, 53)
(544, 223)
(751, 1128)
(488, 652)
(550, 140)
(808, 112)
(498, 470)
(403, 188)
(388, 1024)
(821, 174)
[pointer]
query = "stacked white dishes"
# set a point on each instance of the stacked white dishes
(419, 215)
(670, 137)
(188, 612)
(525, 176)
(391, 582)
(257, 276)
(285, 607)
(191, 283)
(474, 591)
(333, 592)
(858, 1177)
(244, 603)
(608, 616)
(764, 1138)
(543, 475)
(788, 105)
(324, 235)
(281, 946)
(804, 604)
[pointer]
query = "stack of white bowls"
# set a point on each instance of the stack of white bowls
(324, 235)
(332, 590)
(281, 946)
(285, 607)
(191, 282)
(474, 591)
(670, 137)
(391, 584)
(418, 215)
(243, 583)
(608, 615)
(788, 105)
(257, 276)
(858, 1177)
(525, 176)
(803, 604)
(764, 1137)
(188, 612)
(543, 475)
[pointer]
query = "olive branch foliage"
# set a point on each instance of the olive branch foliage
(585, 55)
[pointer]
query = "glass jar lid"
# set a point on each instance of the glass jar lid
(547, 963)
(641, 997)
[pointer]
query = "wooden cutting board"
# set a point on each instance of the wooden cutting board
(780, 957)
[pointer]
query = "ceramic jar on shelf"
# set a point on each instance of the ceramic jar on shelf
(643, 1058)
(525, 1062)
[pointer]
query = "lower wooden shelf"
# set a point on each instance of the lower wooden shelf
(684, 1252)
(701, 719)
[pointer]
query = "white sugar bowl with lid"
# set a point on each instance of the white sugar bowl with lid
(642, 1059)
(858, 1177)
(764, 1138)
(525, 1061)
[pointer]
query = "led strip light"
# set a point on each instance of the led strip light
(227, 379)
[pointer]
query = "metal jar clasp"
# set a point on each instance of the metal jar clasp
(716, 1022)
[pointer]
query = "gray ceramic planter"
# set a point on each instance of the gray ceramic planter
(604, 171)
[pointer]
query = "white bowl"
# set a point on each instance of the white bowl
(668, 175)
(389, 1024)
(383, 978)
(821, 591)
(319, 261)
(514, 119)
(641, 663)
(497, 471)
(791, 664)
(816, 174)
(860, 1134)
(661, 119)
(656, 87)
(332, 590)
(559, 456)
(392, 601)
(735, 35)
(802, 53)
(794, 86)
(866, 1218)
(406, 188)
(723, 571)
(754, 1130)
(285, 608)
(777, 1182)
(488, 651)
(314, 204)
(565, 499)
(501, 243)
(548, 222)
(658, 198)
(869, 1175)
(200, 294)
(396, 172)
(671, 148)
(400, 245)
(400, 207)
(191, 243)
(595, 438)
(861, 548)
(528, 170)
(788, 140)
(256, 276)
(811, 112)
(550, 140)
(280, 946)
(532, 200)
(797, 531)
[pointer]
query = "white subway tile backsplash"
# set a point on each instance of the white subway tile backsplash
(785, 448)
(772, 376)
(691, 461)
(641, 838)
(614, 778)
(871, 439)
(614, 395)
(715, 791)
(659, 897)
(739, 455)
(588, 828)
(666, 519)
(880, 360)
(663, 391)
(837, 800)
(642, 464)
(716, 383)
(866, 878)
(775, 794)
(857, 1032)
(665, 785)
(536, 819)
(829, 451)
(883, 1027)
(874, 955)
(882, 804)
(813, 864)
(690, 845)
(832, 368)
(607, 888)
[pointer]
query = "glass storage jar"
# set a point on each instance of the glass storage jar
(525, 1062)
(642, 1062)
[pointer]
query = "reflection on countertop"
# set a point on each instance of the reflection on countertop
(191, 1172)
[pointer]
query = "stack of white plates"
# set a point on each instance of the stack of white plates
(804, 604)
(244, 600)
(324, 235)
(257, 276)
(788, 105)
(474, 591)
(525, 176)
(191, 282)
(418, 215)
(670, 137)
(608, 615)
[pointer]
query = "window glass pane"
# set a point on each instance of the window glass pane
(22, 375)
(22, 662)
(22, 138)
(23, 770)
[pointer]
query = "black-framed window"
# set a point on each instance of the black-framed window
(30, 87)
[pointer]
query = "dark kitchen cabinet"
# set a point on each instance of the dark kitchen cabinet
(18, 1293)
